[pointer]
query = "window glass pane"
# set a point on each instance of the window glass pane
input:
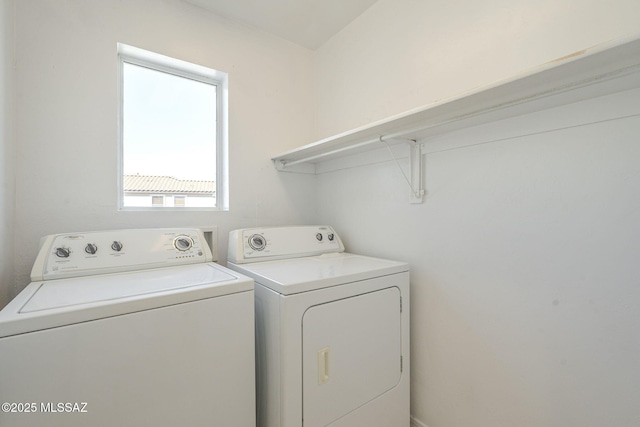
(157, 200)
(169, 136)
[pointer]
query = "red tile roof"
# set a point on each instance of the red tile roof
(166, 184)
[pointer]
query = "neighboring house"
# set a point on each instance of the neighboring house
(167, 191)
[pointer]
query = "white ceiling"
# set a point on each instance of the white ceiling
(309, 23)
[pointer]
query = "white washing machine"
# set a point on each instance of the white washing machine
(129, 328)
(332, 329)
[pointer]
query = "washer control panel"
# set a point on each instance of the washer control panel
(261, 244)
(84, 254)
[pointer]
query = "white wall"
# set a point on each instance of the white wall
(66, 124)
(7, 199)
(524, 255)
(402, 54)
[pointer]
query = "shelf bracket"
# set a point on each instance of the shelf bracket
(417, 172)
(414, 180)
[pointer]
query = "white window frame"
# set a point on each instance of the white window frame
(155, 61)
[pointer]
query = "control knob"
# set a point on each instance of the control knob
(91, 248)
(183, 243)
(257, 242)
(116, 246)
(63, 252)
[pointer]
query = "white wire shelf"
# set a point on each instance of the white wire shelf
(603, 69)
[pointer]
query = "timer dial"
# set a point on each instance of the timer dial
(63, 252)
(257, 242)
(183, 243)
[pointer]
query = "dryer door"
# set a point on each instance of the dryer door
(351, 354)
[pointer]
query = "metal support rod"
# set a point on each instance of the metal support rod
(397, 136)
(286, 163)
(414, 181)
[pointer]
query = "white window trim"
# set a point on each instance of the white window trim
(155, 61)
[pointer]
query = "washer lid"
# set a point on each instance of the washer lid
(69, 292)
(291, 276)
(43, 305)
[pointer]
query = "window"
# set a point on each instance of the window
(173, 133)
(157, 201)
(179, 201)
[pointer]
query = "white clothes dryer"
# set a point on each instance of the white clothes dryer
(332, 329)
(129, 328)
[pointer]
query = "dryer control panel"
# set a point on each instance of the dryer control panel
(271, 243)
(100, 252)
